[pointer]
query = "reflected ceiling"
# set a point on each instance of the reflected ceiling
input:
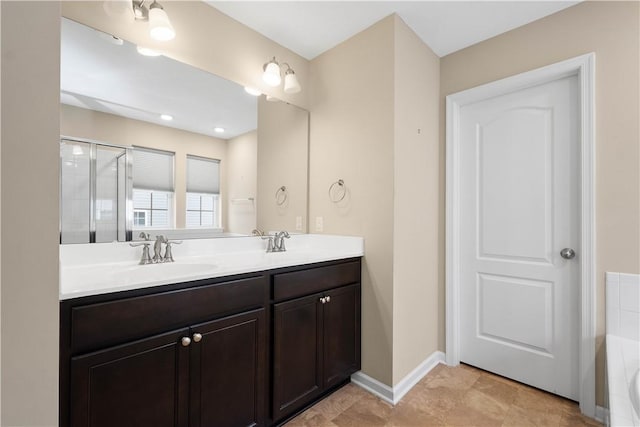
(99, 74)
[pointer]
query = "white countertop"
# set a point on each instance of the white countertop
(100, 268)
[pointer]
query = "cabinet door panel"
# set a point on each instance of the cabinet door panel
(297, 376)
(341, 334)
(144, 383)
(228, 371)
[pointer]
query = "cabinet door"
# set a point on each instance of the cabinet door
(341, 334)
(228, 376)
(143, 383)
(297, 364)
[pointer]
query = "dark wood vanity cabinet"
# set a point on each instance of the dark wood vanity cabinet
(316, 338)
(208, 353)
(209, 372)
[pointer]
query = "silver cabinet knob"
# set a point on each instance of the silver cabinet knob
(568, 253)
(197, 337)
(323, 300)
(186, 341)
(328, 298)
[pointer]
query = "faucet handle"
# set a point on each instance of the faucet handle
(270, 244)
(135, 245)
(145, 236)
(146, 257)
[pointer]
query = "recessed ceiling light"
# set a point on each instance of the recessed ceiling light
(166, 117)
(218, 130)
(252, 91)
(147, 52)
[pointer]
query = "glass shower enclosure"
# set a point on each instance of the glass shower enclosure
(96, 188)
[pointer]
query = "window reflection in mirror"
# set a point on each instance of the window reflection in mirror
(112, 94)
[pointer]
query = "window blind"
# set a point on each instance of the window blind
(203, 175)
(153, 169)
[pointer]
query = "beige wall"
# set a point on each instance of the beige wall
(352, 122)
(242, 166)
(283, 150)
(83, 123)
(612, 31)
(416, 187)
(29, 200)
(206, 39)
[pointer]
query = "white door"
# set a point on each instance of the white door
(519, 205)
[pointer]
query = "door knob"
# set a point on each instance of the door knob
(186, 341)
(197, 337)
(568, 253)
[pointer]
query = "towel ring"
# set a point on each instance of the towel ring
(335, 198)
(281, 195)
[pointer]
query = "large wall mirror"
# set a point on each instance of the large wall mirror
(155, 145)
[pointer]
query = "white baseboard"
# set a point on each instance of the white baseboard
(393, 395)
(602, 415)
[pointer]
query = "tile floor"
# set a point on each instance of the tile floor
(460, 396)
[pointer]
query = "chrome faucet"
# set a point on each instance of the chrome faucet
(278, 241)
(157, 249)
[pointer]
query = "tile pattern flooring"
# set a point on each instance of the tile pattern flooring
(460, 396)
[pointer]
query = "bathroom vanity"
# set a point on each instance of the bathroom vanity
(252, 341)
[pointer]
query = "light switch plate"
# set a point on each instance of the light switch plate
(319, 223)
(298, 223)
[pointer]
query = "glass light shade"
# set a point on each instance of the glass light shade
(291, 84)
(271, 75)
(159, 26)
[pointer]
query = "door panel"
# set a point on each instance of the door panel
(228, 371)
(512, 155)
(341, 334)
(297, 364)
(526, 322)
(519, 208)
(144, 383)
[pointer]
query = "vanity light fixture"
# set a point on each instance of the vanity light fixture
(160, 27)
(218, 130)
(166, 117)
(272, 76)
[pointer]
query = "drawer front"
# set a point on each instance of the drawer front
(305, 282)
(99, 325)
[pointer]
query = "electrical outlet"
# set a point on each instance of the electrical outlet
(319, 223)
(298, 223)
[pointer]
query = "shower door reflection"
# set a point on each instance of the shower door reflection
(95, 192)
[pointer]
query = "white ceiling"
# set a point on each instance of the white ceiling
(309, 28)
(99, 75)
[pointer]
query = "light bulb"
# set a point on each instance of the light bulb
(159, 26)
(271, 75)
